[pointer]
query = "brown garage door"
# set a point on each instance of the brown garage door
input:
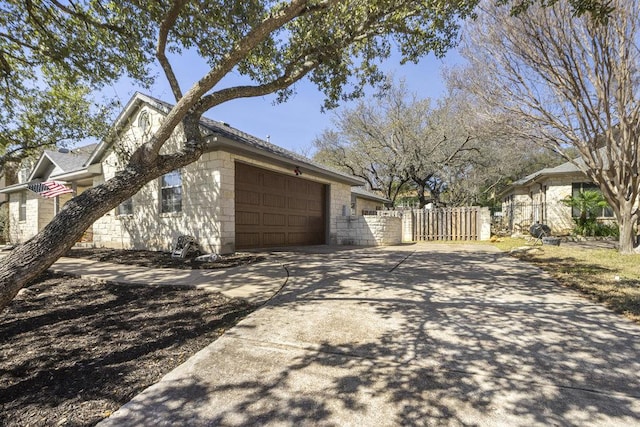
(273, 209)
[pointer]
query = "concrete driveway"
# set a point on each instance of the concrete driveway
(411, 335)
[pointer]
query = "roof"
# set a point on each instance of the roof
(64, 161)
(365, 194)
(84, 162)
(230, 138)
(566, 168)
(60, 165)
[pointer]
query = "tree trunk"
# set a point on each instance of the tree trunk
(422, 198)
(627, 222)
(29, 260)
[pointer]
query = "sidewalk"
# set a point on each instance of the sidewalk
(255, 283)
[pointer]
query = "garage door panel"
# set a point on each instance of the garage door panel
(269, 219)
(315, 222)
(247, 197)
(247, 240)
(299, 238)
(275, 181)
(298, 186)
(274, 209)
(247, 218)
(298, 221)
(315, 206)
(247, 178)
(274, 200)
(274, 239)
(297, 203)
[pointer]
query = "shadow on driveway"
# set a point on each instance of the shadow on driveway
(436, 335)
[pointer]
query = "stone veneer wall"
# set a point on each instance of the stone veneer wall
(369, 230)
(39, 213)
(363, 204)
(558, 214)
(208, 204)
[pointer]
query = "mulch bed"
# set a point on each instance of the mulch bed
(72, 351)
(158, 259)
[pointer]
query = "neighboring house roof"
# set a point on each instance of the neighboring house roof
(61, 162)
(58, 165)
(365, 194)
(567, 168)
(223, 135)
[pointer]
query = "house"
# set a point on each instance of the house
(5, 179)
(364, 202)
(28, 213)
(242, 193)
(538, 198)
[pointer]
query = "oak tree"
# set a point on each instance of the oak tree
(273, 44)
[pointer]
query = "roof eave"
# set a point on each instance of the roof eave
(217, 142)
(13, 188)
(534, 179)
(35, 171)
(374, 198)
(89, 172)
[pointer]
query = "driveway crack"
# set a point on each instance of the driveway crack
(401, 261)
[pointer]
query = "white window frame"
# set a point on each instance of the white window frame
(22, 206)
(175, 190)
(120, 209)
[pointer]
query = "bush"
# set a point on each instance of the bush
(589, 203)
(607, 230)
(592, 228)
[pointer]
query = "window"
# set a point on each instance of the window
(22, 209)
(125, 208)
(577, 187)
(23, 175)
(171, 192)
(144, 123)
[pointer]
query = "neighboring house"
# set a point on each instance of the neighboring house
(242, 193)
(28, 212)
(365, 202)
(538, 198)
(5, 180)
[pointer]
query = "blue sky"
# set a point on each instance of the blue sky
(295, 123)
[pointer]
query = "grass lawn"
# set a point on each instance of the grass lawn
(602, 274)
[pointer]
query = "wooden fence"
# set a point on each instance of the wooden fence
(460, 223)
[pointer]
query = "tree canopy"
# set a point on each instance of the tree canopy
(52, 57)
(442, 152)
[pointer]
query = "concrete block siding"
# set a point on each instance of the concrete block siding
(369, 230)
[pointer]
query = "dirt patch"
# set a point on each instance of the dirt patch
(158, 259)
(72, 350)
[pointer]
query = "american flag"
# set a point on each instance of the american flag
(49, 188)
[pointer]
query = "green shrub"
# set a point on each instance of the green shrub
(589, 203)
(607, 230)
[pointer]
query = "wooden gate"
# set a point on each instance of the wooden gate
(462, 223)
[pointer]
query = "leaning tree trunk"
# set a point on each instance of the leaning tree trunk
(29, 260)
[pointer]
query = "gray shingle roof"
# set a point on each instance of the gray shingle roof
(564, 168)
(244, 138)
(73, 159)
